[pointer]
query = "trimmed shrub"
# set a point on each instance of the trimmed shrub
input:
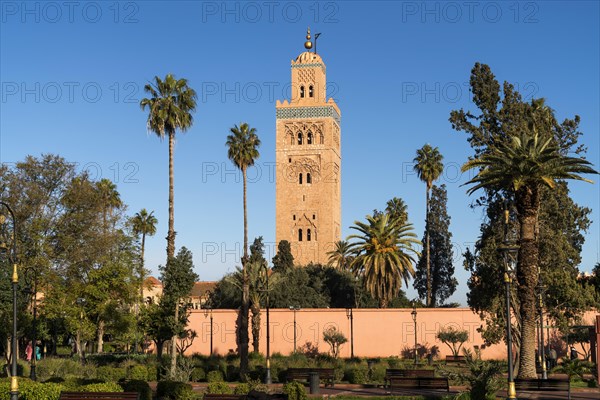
(39, 391)
(152, 372)
(214, 376)
(138, 386)
(57, 367)
(242, 388)
(174, 390)
(357, 375)
(295, 391)
(137, 373)
(111, 374)
(101, 387)
(198, 374)
(219, 388)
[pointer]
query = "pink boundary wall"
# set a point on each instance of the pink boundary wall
(377, 332)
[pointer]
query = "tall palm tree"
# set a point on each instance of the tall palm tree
(341, 256)
(384, 255)
(243, 144)
(170, 108)
(144, 224)
(429, 167)
(520, 166)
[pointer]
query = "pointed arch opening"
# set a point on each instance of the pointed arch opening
(308, 178)
(300, 138)
(299, 235)
(308, 235)
(309, 138)
(311, 92)
(301, 92)
(300, 178)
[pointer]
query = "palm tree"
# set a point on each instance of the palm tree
(384, 255)
(170, 108)
(341, 256)
(428, 166)
(520, 166)
(144, 223)
(243, 144)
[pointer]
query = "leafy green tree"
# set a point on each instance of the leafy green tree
(443, 282)
(335, 339)
(384, 255)
(520, 151)
(283, 260)
(428, 165)
(170, 108)
(453, 338)
(243, 144)
(178, 279)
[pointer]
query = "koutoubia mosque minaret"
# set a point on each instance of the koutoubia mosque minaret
(308, 156)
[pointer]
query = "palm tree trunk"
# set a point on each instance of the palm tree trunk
(527, 202)
(171, 232)
(428, 273)
(142, 268)
(174, 342)
(245, 295)
(255, 327)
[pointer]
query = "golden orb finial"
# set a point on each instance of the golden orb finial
(308, 43)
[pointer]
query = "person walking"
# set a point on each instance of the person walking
(28, 352)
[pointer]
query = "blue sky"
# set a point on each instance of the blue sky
(72, 75)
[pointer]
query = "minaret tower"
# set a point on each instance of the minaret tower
(308, 157)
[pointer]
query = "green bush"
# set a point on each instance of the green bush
(295, 391)
(138, 386)
(39, 391)
(137, 373)
(111, 374)
(214, 376)
(378, 373)
(198, 374)
(242, 388)
(174, 390)
(101, 387)
(152, 372)
(357, 375)
(219, 388)
(58, 367)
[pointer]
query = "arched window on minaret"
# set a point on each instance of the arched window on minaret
(308, 178)
(321, 138)
(299, 235)
(310, 91)
(308, 235)
(302, 92)
(300, 138)
(309, 138)
(300, 178)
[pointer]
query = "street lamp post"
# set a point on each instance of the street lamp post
(509, 252)
(14, 383)
(209, 312)
(268, 379)
(350, 316)
(413, 313)
(294, 309)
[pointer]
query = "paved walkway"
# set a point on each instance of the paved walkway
(360, 390)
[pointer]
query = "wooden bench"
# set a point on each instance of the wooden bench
(419, 382)
(543, 384)
(99, 396)
(456, 359)
(327, 375)
(407, 373)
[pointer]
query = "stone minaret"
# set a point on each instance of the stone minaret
(308, 157)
